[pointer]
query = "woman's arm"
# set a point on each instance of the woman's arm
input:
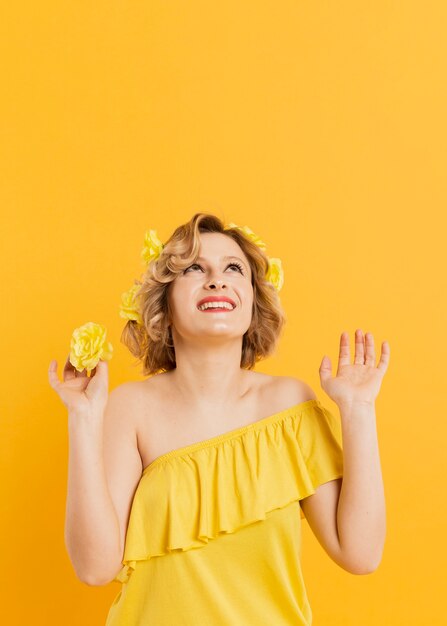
(348, 515)
(104, 472)
(361, 513)
(92, 534)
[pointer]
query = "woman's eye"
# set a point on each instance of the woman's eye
(239, 267)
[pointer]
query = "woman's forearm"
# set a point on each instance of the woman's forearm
(92, 534)
(361, 514)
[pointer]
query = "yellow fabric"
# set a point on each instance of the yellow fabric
(214, 534)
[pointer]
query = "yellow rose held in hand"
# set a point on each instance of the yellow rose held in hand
(275, 274)
(88, 346)
(129, 307)
(152, 246)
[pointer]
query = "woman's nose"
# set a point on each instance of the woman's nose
(213, 282)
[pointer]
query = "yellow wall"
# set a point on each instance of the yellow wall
(319, 125)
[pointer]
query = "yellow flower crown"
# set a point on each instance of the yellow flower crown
(152, 249)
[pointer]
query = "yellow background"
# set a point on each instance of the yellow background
(319, 125)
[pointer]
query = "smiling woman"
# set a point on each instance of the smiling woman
(227, 453)
(200, 250)
(189, 488)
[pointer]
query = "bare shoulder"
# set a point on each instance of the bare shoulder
(126, 389)
(292, 390)
(135, 392)
(131, 387)
(122, 410)
(127, 394)
(276, 393)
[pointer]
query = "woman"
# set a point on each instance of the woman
(188, 488)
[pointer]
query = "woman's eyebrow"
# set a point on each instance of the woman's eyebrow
(225, 258)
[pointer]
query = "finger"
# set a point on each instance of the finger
(384, 357)
(344, 354)
(370, 353)
(359, 357)
(103, 370)
(69, 370)
(100, 369)
(100, 380)
(53, 378)
(325, 368)
(92, 371)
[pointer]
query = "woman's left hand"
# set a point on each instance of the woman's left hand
(357, 383)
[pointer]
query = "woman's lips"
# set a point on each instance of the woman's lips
(216, 310)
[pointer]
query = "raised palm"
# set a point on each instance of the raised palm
(355, 383)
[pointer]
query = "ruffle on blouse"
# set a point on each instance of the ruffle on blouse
(188, 496)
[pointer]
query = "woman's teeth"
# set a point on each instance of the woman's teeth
(216, 305)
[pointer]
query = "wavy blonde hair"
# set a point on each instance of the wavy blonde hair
(151, 342)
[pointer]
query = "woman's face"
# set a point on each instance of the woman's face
(215, 274)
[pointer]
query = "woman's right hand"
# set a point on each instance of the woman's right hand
(81, 394)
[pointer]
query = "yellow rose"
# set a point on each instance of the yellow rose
(250, 234)
(88, 346)
(152, 246)
(129, 307)
(275, 274)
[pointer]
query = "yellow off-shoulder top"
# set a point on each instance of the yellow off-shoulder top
(214, 533)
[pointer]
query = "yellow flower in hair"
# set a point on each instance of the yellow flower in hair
(88, 346)
(275, 274)
(250, 234)
(152, 246)
(129, 304)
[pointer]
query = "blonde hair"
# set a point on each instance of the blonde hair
(151, 342)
